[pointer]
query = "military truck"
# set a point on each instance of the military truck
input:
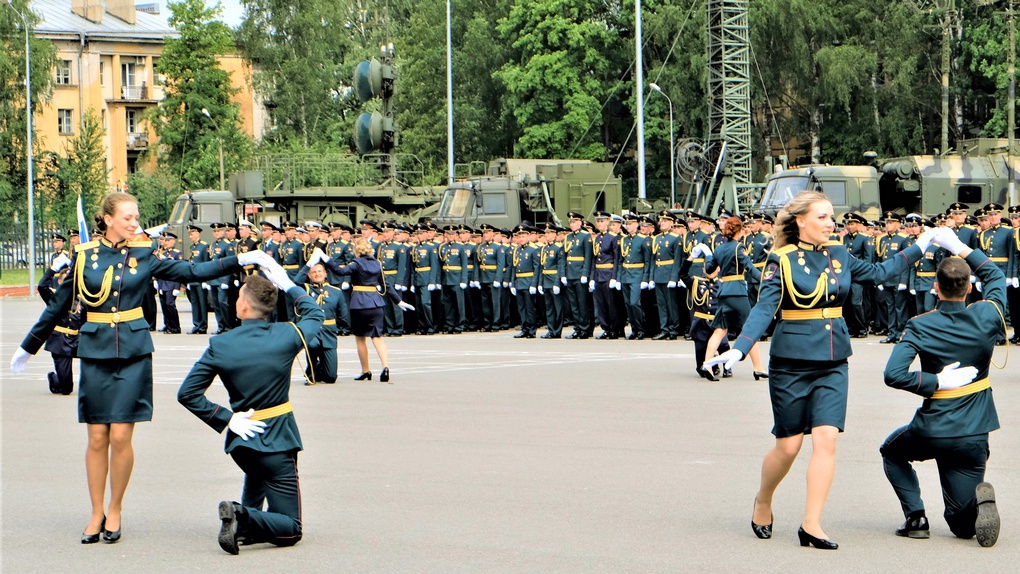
(924, 184)
(539, 191)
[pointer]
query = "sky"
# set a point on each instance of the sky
(232, 10)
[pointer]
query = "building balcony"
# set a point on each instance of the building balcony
(134, 92)
(138, 140)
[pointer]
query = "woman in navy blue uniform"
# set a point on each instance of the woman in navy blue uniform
(732, 261)
(109, 279)
(806, 279)
(366, 305)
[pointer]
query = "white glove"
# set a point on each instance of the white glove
(532, 290)
(973, 279)
(463, 285)
(901, 287)
(563, 280)
(412, 288)
(155, 285)
(929, 235)
(932, 292)
(671, 285)
(19, 360)
(345, 286)
(540, 290)
(953, 376)
(619, 286)
(506, 284)
(613, 283)
(651, 284)
(644, 285)
(278, 275)
(591, 286)
(513, 291)
(948, 240)
(681, 284)
(584, 279)
(431, 287)
(556, 289)
(727, 360)
(60, 262)
(315, 258)
(913, 292)
(236, 284)
(253, 258)
(206, 286)
(1015, 282)
(881, 288)
(321, 256)
(225, 286)
(176, 292)
(700, 250)
(405, 306)
(496, 284)
(242, 425)
(978, 286)
(477, 285)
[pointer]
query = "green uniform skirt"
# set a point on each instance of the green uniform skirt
(807, 394)
(115, 390)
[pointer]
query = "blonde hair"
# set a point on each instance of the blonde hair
(362, 248)
(785, 228)
(109, 207)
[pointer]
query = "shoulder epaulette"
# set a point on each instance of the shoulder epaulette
(788, 248)
(83, 246)
(832, 244)
(140, 243)
(200, 242)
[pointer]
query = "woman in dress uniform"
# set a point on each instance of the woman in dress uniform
(367, 305)
(110, 276)
(732, 261)
(805, 280)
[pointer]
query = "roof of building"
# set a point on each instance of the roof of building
(58, 19)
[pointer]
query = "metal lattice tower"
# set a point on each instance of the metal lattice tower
(729, 84)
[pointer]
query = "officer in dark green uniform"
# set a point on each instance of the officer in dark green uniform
(1013, 283)
(922, 285)
(552, 261)
(996, 240)
(322, 364)
(524, 273)
(667, 259)
(958, 412)
(491, 268)
(894, 288)
(635, 271)
(253, 362)
(169, 290)
(198, 292)
(425, 279)
(454, 280)
(577, 245)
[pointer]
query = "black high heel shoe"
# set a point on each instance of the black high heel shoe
(707, 374)
(763, 531)
(366, 376)
(384, 376)
(93, 538)
(760, 375)
(111, 537)
(819, 543)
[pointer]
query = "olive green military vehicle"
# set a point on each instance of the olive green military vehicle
(922, 184)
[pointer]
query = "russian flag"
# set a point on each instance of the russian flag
(83, 226)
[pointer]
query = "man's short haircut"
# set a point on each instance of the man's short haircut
(953, 276)
(260, 294)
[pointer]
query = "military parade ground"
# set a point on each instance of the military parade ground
(490, 454)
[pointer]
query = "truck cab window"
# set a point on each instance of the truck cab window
(455, 203)
(781, 190)
(835, 191)
(969, 194)
(210, 212)
(181, 212)
(493, 204)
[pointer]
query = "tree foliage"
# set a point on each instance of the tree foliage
(81, 170)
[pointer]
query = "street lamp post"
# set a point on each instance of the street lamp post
(672, 150)
(28, 150)
(219, 139)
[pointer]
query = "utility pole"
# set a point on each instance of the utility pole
(30, 177)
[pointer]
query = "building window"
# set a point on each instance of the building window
(102, 73)
(133, 117)
(64, 72)
(65, 124)
(127, 75)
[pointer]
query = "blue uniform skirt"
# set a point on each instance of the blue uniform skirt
(367, 322)
(731, 313)
(807, 394)
(115, 390)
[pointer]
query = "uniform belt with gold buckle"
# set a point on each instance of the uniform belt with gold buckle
(968, 389)
(272, 412)
(116, 316)
(808, 314)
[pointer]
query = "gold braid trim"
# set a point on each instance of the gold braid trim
(89, 298)
(311, 370)
(821, 287)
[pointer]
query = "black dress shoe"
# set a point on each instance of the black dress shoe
(986, 526)
(915, 527)
(671, 337)
(819, 543)
(763, 531)
(660, 337)
(111, 536)
(760, 375)
(384, 376)
(859, 336)
(889, 340)
(727, 373)
(228, 527)
(366, 376)
(1000, 342)
(93, 538)
(688, 337)
(54, 382)
(707, 374)
(520, 335)
(550, 336)
(604, 335)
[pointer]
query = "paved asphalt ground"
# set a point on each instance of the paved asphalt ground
(491, 454)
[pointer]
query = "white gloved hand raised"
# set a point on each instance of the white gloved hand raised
(315, 259)
(929, 235)
(20, 360)
(948, 240)
(278, 275)
(953, 376)
(253, 258)
(728, 360)
(242, 425)
(671, 285)
(405, 306)
(60, 262)
(700, 250)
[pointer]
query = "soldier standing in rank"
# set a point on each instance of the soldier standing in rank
(552, 261)
(62, 344)
(997, 243)
(340, 251)
(665, 274)
(271, 241)
(253, 362)
(524, 273)
(1013, 286)
(392, 255)
(856, 243)
(169, 289)
(291, 258)
(198, 292)
(503, 237)
(491, 266)
(912, 229)
(425, 278)
(578, 249)
(468, 239)
(58, 248)
(965, 232)
(635, 272)
(606, 252)
(220, 249)
(680, 293)
(758, 245)
(234, 281)
(454, 281)
(322, 362)
(922, 285)
(894, 288)
(958, 412)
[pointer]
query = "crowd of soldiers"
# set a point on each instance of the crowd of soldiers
(620, 270)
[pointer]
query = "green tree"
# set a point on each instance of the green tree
(13, 157)
(82, 171)
(189, 139)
